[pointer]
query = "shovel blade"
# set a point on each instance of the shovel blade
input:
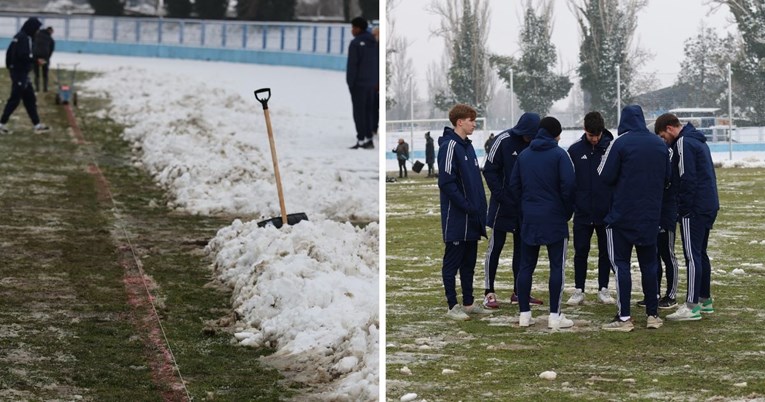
(291, 220)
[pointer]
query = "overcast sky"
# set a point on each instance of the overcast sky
(663, 27)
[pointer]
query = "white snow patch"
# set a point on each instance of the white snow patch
(448, 371)
(738, 271)
(408, 397)
(548, 375)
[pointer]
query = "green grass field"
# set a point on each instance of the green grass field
(720, 357)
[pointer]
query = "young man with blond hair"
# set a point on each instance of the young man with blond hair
(463, 210)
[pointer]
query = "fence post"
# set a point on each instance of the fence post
(114, 29)
(342, 40)
(299, 37)
(244, 36)
(204, 28)
(264, 30)
(66, 28)
(159, 30)
(180, 32)
(315, 33)
(329, 39)
(90, 28)
(281, 46)
(137, 31)
(223, 33)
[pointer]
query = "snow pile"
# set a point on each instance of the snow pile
(310, 291)
(752, 161)
(203, 137)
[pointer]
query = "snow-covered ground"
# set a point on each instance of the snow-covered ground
(309, 290)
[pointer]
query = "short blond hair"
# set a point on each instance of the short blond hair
(461, 111)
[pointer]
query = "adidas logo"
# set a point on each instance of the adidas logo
(515, 153)
(583, 157)
(466, 157)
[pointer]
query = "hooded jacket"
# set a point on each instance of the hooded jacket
(637, 164)
(593, 197)
(498, 169)
(463, 200)
(543, 185)
(43, 45)
(363, 67)
(430, 149)
(697, 194)
(19, 58)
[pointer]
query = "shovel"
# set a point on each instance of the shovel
(291, 219)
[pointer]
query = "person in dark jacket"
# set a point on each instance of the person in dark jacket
(430, 153)
(18, 61)
(542, 187)
(43, 47)
(362, 76)
(502, 217)
(636, 163)
(593, 197)
(402, 155)
(463, 210)
(697, 206)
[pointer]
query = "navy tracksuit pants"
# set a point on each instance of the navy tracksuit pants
(582, 236)
(459, 256)
(21, 90)
(665, 244)
(491, 262)
(556, 253)
(620, 252)
(362, 98)
(695, 235)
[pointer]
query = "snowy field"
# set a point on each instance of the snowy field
(310, 290)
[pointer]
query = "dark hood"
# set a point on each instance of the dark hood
(31, 26)
(543, 141)
(528, 124)
(690, 131)
(605, 139)
(449, 134)
(632, 120)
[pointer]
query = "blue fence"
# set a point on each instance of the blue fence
(294, 44)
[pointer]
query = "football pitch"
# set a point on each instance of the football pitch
(717, 358)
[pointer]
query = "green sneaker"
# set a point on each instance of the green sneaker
(708, 306)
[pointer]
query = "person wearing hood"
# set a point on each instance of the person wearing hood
(503, 218)
(463, 210)
(697, 206)
(43, 47)
(637, 165)
(593, 197)
(430, 153)
(363, 79)
(542, 187)
(18, 61)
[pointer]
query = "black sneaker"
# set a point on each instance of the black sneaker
(667, 302)
(369, 145)
(357, 146)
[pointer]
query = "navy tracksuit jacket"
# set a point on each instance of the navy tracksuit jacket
(503, 216)
(542, 185)
(463, 212)
(637, 164)
(19, 61)
(697, 207)
(593, 198)
(362, 75)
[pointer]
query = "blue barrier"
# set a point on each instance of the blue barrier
(322, 46)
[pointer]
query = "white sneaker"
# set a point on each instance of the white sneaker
(556, 321)
(476, 308)
(4, 129)
(39, 128)
(577, 298)
(456, 313)
(605, 296)
(684, 313)
(526, 319)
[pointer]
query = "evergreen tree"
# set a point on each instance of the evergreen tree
(211, 9)
(607, 28)
(535, 85)
(370, 9)
(108, 7)
(246, 9)
(704, 68)
(749, 68)
(469, 70)
(275, 10)
(178, 8)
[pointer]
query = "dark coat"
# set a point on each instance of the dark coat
(463, 200)
(697, 194)
(402, 151)
(543, 185)
(593, 197)
(18, 58)
(363, 67)
(498, 168)
(637, 164)
(668, 220)
(430, 150)
(43, 45)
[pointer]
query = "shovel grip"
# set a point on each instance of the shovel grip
(263, 101)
